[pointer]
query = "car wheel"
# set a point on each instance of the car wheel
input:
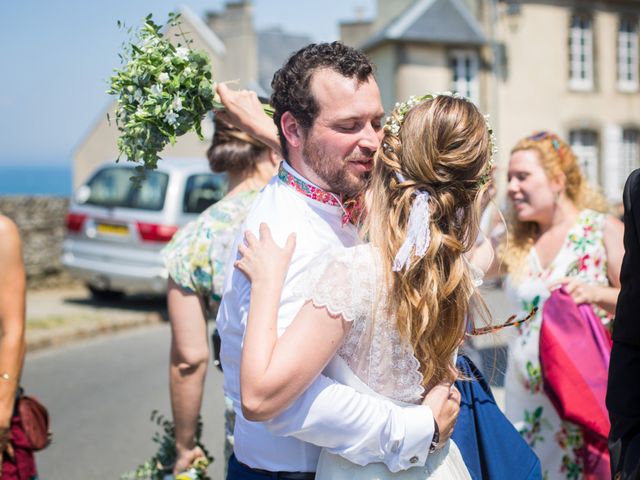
(104, 293)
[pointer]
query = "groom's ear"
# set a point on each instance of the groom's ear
(291, 129)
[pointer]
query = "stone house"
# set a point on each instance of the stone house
(567, 66)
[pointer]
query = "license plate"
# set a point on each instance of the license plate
(111, 229)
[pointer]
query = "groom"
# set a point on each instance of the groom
(328, 115)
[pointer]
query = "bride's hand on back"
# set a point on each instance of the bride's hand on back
(263, 261)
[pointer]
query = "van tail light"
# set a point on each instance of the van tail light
(74, 222)
(152, 232)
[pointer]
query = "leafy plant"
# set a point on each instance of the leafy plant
(163, 91)
(161, 464)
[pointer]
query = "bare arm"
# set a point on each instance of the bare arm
(12, 320)
(613, 244)
(188, 367)
(482, 255)
(244, 110)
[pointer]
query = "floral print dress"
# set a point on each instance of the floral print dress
(556, 442)
(198, 252)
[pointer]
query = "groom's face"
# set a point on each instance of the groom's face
(347, 131)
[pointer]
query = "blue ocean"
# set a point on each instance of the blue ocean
(50, 180)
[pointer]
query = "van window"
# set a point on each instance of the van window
(203, 190)
(111, 187)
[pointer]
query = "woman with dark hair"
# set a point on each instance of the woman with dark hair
(195, 259)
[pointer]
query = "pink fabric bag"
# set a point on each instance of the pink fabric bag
(575, 349)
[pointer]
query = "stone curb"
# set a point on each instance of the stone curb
(39, 339)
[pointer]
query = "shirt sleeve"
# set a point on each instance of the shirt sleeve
(361, 428)
(188, 257)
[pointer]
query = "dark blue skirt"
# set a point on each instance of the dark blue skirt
(491, 447)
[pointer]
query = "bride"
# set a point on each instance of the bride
(385, 317)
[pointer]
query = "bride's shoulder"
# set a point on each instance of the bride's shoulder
(356, 254)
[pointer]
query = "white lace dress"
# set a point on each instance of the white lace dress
(372, 359)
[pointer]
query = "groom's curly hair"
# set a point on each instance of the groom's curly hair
(291, 84)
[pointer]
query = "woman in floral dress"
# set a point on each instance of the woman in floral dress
(195, 259)
(558, 235)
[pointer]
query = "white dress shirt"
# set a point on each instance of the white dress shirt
(359, 427)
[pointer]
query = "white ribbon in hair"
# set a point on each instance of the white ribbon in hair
(418, 231)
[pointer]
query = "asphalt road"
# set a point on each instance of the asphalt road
(100, 394)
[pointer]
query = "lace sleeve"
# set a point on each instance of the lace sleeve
(343, 281)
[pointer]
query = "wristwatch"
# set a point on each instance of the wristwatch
(435, 440)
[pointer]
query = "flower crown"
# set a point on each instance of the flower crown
(393, 124)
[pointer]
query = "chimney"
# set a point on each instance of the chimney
(387, 11)
(234, 25)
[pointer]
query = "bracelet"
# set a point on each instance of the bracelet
(5, 376)
(435, 440)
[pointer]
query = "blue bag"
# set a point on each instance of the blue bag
(490, 445)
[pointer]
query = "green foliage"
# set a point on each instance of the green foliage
(163, 91)
(161, 464)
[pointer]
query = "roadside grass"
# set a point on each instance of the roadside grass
(57, 321)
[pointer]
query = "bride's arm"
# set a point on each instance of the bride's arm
(275, 371)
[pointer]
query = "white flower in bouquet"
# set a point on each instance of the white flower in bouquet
(176, 104)
(171, 117)
(182, 53)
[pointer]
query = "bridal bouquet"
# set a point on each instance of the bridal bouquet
(163, 91)
(160, 466)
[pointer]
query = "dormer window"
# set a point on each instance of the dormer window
(464, 70)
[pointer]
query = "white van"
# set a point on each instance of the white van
(115, 230)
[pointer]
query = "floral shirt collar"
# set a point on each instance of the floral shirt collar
(291, 178)
(351, 209)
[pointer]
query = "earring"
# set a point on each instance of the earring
(556, 199)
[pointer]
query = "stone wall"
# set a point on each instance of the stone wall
(41, 223)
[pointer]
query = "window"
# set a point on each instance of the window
(630, 154)
(203, 190)
(464, 66)
(110, 187)
(581, 53)
(628, 54)
(584, 144)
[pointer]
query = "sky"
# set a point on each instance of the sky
(57, 56)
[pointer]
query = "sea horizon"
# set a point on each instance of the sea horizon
(37, 180)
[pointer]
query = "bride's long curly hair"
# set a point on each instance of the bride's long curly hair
(443, 147)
